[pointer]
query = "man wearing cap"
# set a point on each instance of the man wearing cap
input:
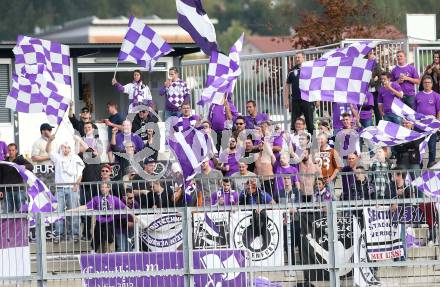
(140, 123)
(43, 166)
(142, 188)
(85, 117)
(254, 118)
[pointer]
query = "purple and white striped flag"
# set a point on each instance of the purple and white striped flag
(223, 71)
(142, 45)
(358, 49)
(340, 80)
(35, 90)
(53, 55)
(191, 148)
(429, 181)
(40, 197)
(192, 17)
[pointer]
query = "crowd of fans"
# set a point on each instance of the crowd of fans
(258, 162)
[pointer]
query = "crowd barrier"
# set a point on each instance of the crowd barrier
(359, 238)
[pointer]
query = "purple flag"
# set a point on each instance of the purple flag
(53, 55)
(192, 17)
(40, 197)
(191, 148)
(142, 45)
(358, 49)
(340, 80)
(390, 134)
(429, 181)
(423, 122)
(35, 90)
(222, 73)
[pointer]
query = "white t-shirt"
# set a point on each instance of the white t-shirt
(67, 168)
(39, 149)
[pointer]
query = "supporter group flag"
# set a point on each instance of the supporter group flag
(223, 71)
(340, 76)
(142, 45)
(192, 17)
(42, 79)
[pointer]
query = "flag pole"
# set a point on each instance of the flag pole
(116, 68)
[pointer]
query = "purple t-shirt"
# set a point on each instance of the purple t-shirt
(230, 198)
(217, 115)
(3, 150)
(251, 122)
(284, 170)
(427, 104)
(408, 70)
(134, 138)
(176, 94)
(338, 110)
(104, 203)
(184, 123)
(386, 97)
(231, 159)
(366, 112)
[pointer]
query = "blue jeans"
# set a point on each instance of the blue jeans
(168, 114)
(122, 244)
(366, 122)
(67, 198)
(409, 100)
(432, 143)
(392, 118)
(14, 199)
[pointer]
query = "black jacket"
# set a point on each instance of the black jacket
(408, 153)
(79, 125)
(9, 175)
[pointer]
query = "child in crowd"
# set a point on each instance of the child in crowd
(322, 194)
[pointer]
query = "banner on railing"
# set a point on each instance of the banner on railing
(15, 257)
(383, 235)
(161, 232)
(211, 230)
(113, 264)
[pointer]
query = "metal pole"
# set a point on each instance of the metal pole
(41, 250)
(187, 247)
(285, 71)
(333, 239)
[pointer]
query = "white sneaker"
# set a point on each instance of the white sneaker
(430, 243)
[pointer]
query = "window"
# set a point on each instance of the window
(5, 114)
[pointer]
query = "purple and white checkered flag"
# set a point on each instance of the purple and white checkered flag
(142, 45)
(358, 49)
(192, 17)
(223, 71)
(40, 197)
(429, 181)
(35, 90)
(389, 134)
(340, 80)
(423, 122)
(53, 55)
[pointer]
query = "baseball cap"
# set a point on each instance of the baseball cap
(85, 110)
(149, 160)
(46, 127)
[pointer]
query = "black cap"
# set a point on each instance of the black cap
(85, 110)
(149, 160)
(46, 127)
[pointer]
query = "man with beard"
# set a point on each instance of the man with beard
(84, 117)
(228, 159)
(308, 172)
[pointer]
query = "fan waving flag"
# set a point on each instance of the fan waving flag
(340, 80)
(358, 49)
(223, 71)
(421, 121)
(142, 45)
(429, 181)
(192, 17)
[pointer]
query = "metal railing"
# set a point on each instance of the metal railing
(336, 237)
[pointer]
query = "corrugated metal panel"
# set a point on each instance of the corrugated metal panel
(5, 114)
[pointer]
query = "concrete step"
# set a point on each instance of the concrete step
(425, 252)
(421, 233)
(416, 271)
(59, 266)
(64, 247)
